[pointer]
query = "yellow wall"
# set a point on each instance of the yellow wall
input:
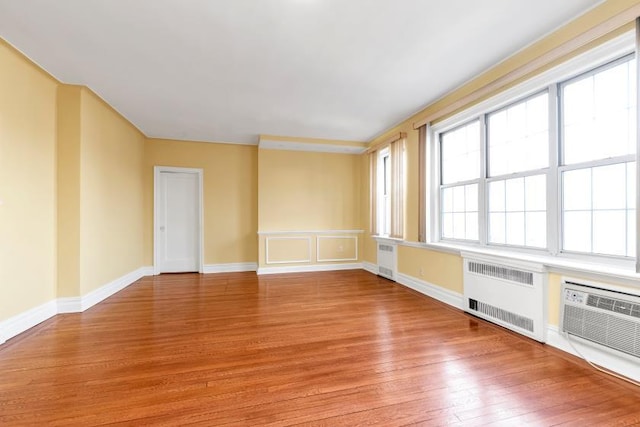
(27, 185)
(307, 191)
(230, 196)
(112, 195)
(68, 182)
(301, 190)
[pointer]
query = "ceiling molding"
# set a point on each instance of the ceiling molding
(289, 144)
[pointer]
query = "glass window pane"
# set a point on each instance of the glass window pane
(515, 228)
(447, 200)
(471, 229)
(536, 193)
(576, 190)
(458, 199)
(519, 137)
(460, 153)
(631, 233)
(598, 115)
(497, 228)
(536, 229)
(515, 195)
(609, 190)
(459, 223)
(447, 225)
(609, 234)
(471, 198)
(496, 196)
(631, 185)
(577, 231)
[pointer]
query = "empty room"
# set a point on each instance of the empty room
(319, 212)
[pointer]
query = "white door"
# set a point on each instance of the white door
(177, 209)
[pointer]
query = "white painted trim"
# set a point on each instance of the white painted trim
(266, 256)
(265, 233)
(318, 259)
(104, 292)
(370, 267)
(237, 267)
(434, 291)
(621, 364)
(17, 324)
(21, 322)
(269, 144)
(157, 170)
(309, 268)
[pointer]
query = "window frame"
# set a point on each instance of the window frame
(608, 54)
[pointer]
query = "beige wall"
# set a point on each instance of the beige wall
(308, 191)
(301, 190)
(27, 185)
(68, 182)
(230, 196)
(112, 195)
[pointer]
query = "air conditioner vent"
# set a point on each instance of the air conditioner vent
(500, 272)
(385, 248)
(614, 305)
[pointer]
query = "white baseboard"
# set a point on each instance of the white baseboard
(622, 364)
(371, 268)
(23, 321)
(238, 267)
(92, 298)
(17, 324)
(441, 294)
(309, 268)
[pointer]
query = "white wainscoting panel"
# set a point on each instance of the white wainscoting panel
(319, 240)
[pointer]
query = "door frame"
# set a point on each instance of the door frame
(157, 170)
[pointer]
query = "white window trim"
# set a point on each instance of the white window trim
(601, 55)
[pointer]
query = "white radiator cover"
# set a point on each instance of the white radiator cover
(607, 318)
(387, 256)
(510, 293)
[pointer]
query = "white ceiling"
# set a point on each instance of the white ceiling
(229, 70)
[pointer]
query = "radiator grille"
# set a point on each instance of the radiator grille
(384, 271)
(385, 248)
(497, 271)
(603, 328)
(514, 319)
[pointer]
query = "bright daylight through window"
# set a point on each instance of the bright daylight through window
(551, 170)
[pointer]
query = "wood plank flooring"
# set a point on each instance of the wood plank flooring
(320, 349)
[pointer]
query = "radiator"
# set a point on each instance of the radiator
(512, 294)
(387, 260)
(608, 318)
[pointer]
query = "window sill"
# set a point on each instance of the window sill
(622, 273)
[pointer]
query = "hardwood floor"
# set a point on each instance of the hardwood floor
(326, 349)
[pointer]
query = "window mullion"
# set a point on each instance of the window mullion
(554, 216)
(483, 216)
(637, 59)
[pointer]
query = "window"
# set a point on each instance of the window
(387, 188)
(598, 170)
(518, 144)
(553, 170)
(460, 173)
(384, 199)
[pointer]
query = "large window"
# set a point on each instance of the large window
(553, 170)
(598, 171)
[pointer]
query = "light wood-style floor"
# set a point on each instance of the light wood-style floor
(332, 349)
